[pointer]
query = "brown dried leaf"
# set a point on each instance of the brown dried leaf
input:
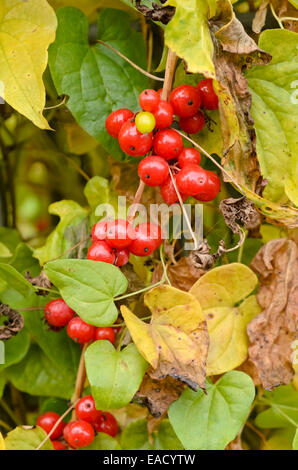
(158, 395)
(260, 17)
(40, 281)
(182, 275)
(14, 323)
(241, 211)
(273, 330)
(284, 8)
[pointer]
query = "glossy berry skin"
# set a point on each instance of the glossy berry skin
(169, 193)
(145, 122)
(47, 421)
(101, 251)
(168, 144)
(191, 179)
(132, 141)
(194, 124)
(153, 170)
(115, 121)
(105, 332)
(149, 99)
(122, 257)
(58, 313)
(119, 233)
(186, 100)
(209, 97)
(79, 434)
(99, 230)
(80, 331)
(164, 115)
(86, 410)
(107, 424)
(147, 239)
(211, 188)
(58, 445)
(189, 155)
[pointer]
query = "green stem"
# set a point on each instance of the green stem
(5, 425)
(121, 339)
(276, 17)
(139, 291)
(240, 252)
(47, 290)
(165, 275)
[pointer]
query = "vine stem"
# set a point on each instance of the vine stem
(276, 16)
(56, 425)
(137, 200)
(144, 72)
(139, 291)
(213, 160)
(81, 377)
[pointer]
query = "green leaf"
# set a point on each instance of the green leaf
(114, 376)
(4, 251)
(68, 232)
(96, 79)
(89, 288)
(22, 438)
(135, 436)
(166, 438)
(275, 112)
(283, 408)
(2, 383)
(38, 375)
(210, 422)
(16, 348)
(103, 441)
(13, 286)
(295, 441)
(58, 405)
(188, 35)
(10, 238)
(280, 439)
(23, 260)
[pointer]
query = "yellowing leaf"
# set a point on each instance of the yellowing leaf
(176, 341)
(188, 35)
(27, 28)
(2, 443)
(218, 291)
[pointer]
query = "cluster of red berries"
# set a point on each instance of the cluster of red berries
(149, 132)
(81, 432)
(58, 314)
(113, 241)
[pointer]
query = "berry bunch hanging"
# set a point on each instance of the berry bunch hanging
(148, 134)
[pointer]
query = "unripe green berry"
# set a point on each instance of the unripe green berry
(145, 122)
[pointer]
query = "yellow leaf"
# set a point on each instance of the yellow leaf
(27, 28)
(2, 443)
(175, 342)
(218, 291)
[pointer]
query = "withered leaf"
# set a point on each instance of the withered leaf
(273, 330)
(176, 341)
(158, 394)
(14, 323)
(241, 211)
(182, 275)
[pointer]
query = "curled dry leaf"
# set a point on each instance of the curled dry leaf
(273, 330)
(41, 281)
(157, 13)
(282, 8)
(158, 394)
(176, 341)
(182, 275)
(240, 211)
(260, 17)
(14, 323)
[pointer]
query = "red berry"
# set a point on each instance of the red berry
(186, 100)
(153, 170)
(209, 97)
(79, 434)
(47, 421)
(159, 92)
(80, 331)
(148, 100)
(58, 445)
(132, 141)
(167, 143)
(58, 313)
(169, 193)
(115, 121)
(119, 233)
(107, 424)
(101, 251)
(122, 257)
(189, 155)
(86, 410)
(194, 124)
(164, 115)
(105, 332)
(99, 230)
(191, 179)
(211, 188)
(147, 239)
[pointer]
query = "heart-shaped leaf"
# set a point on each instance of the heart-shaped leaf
(89, 288)
(114, 376)
(211, 421)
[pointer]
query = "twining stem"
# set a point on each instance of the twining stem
(5, 425)
(184, 211)
(144, 72)
(56, 425)
(213, 160)
(139, 291)
(70, 249)
(137, 200)
(56, 105)
(169, 75)
(276, 16)
(81, 376)
(165, 274)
